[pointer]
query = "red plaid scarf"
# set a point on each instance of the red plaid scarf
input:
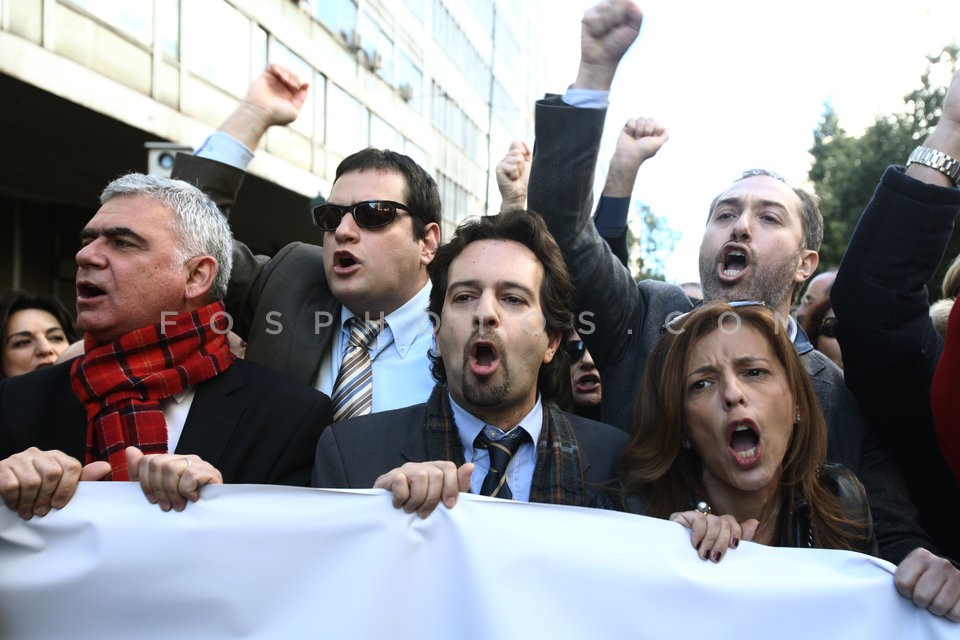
(121, 383)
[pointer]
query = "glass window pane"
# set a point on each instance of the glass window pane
(168, 28)
(133, 17)
(226, 64)
(285, 57)
(377, 47)
(383, 136)
(340, 16)
(347, 122)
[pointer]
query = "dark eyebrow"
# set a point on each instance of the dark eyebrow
(772, 203)
(734, 200)
(500, 284)
(742, 361)
(113, 232)
(25, 334)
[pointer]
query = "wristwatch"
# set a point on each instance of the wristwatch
(938, 160)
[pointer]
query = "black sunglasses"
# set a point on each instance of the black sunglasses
(575, 350)
(368, 215)
(829, 327)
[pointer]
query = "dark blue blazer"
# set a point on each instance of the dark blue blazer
(890, 347)
(352, 454)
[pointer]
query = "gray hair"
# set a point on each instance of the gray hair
(202, 230)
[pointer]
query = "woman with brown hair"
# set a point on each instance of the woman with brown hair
(729, 440)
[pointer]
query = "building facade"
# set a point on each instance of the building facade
(88, 84)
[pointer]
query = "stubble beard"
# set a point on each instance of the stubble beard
(771, 285)
(486, 391)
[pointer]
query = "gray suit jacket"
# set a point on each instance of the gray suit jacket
(628, 316)
(275, 303)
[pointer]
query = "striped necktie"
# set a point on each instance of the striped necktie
(501, 451)
(353, 391)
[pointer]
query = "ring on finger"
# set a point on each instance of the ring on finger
(703, 507)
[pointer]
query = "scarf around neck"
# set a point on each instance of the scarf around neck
(557, 474)
(121, 383)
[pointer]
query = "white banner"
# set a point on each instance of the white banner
(252, 561)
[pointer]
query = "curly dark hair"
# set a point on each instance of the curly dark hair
(556, 289)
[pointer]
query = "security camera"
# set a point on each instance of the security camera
(160, 157)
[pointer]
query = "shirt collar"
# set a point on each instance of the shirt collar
(469, 426)
(404, 324)
(798, 337)
(180, 395)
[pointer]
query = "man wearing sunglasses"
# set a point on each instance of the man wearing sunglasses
(585, 386)
(310, 310)
(760, 243)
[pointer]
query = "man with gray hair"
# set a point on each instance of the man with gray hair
(157, 395)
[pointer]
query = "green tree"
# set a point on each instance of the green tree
(846, 169)
(651, 243)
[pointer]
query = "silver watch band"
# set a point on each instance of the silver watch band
(938, 160)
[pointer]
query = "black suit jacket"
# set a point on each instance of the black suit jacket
(274, 302)
(255, 425)
(352, 454)
(890, 347)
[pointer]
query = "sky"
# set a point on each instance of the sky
(742, 84)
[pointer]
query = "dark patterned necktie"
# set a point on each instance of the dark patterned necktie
(495, 483)
(353, 392)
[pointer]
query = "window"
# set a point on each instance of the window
(417, 8)
(377, 47)
(280, 54)
(407, 73)
(383, 136)
(227, 63)
(347, 122)
(340, 16)
(133, 17)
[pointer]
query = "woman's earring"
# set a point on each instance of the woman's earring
(685, 444)
(797, 420)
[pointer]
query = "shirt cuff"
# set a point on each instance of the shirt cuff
(611, 216)
(224, 148)
(587, 98)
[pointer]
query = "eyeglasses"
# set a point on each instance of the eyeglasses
(828, 327)
(575, 350)
(368, 215)
(674, 322)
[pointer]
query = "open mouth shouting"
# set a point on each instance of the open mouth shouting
(484, 357)
(345, 263)
(743, 442)
(587, 383)
(88, 292)
(733, 263)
